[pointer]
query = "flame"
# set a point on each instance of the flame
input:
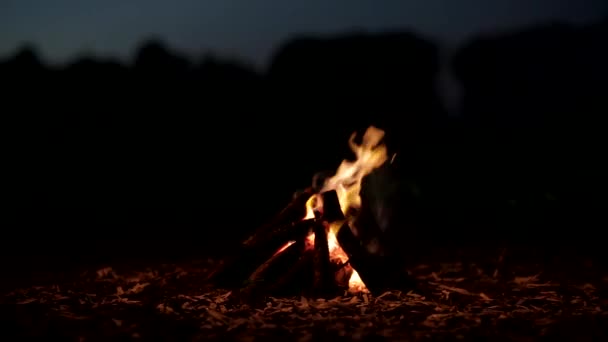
(370, 154)
(311, 204)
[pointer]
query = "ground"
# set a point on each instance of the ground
(172, 302)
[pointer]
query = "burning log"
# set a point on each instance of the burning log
(379, 273)
(263, 278)
(284, 227)
(260, 271)
(231, 273)
(332, 261)
(332, 211)
(293, 212)
(298, 276)
(282, 234)
(323, 278)
(257, 258)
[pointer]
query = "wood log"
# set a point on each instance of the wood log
(324, 280)
(323, 273)
(293, 212)
(298, 278)
(332, 210)
(236, 269)
(265, 276)
(279, 235)
(322, 270)
(379, 273)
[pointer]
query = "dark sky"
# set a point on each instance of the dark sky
(252, 28)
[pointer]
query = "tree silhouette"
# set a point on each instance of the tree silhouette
(166, 131)
(154, 57)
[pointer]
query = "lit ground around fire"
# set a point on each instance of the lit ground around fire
(171, 302)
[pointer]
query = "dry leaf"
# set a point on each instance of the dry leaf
(137, 288)
(455, 289)
(27, 301)
(217, 315)
(164, 308)
(525, 280)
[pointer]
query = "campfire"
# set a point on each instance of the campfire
(310, 274)
(313, 245)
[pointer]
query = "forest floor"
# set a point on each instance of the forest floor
(172, 302)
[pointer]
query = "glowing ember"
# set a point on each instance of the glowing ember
(284, 247)
(370, 154)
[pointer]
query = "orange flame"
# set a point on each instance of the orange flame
(370, 154)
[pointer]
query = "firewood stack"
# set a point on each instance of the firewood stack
(278, 258)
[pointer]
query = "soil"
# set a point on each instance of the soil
(172, 302)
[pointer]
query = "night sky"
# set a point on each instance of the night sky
(251, 29)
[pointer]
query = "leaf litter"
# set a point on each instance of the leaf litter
(174, 301)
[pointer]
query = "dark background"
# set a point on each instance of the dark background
(171, 156)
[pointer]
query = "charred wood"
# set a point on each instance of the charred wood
(278, 236)
(322, 268)
(378, 272)
(293, 212)
(268, 273)
(298, 277)
(235, 270)
(332, 210)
